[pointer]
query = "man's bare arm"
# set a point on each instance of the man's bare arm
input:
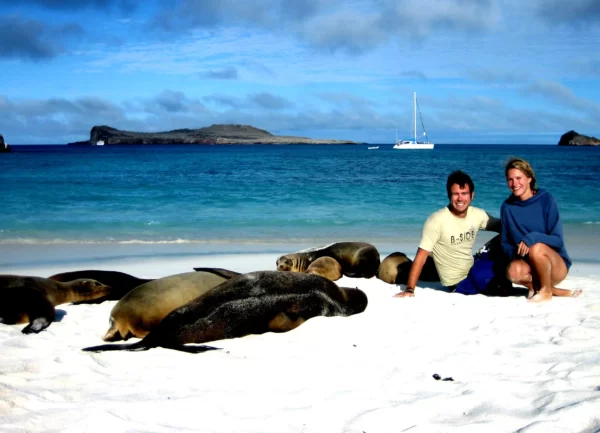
(415, 273)
(494, 224)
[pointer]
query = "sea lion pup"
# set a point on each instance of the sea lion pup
(32, 299)
(120, 283)
(395, 268)
(358, 259)
(140, 310)
(252, 303)
(327, 267)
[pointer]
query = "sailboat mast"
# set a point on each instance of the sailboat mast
(415, 115)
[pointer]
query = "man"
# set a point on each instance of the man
(449, 235)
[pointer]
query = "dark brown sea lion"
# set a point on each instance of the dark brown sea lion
(327, 267)
(32, 299)
(394, 269)
(120, 283)
(140, 310)
(252, 303)
(358, 259)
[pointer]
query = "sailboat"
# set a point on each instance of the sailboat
(414, 144)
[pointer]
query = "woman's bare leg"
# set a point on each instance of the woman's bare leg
(549, 268)
(519, 272)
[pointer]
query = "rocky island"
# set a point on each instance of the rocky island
(4, 147)
(215, 134)
(572, 138)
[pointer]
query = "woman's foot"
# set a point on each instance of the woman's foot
(566, 293)
(541, 296)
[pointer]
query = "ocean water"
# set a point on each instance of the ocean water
(269, 198)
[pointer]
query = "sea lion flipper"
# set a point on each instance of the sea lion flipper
(225, 273)
(112, 334)
(41, 313)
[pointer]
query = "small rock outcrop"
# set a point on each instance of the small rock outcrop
(572, 138)
(215, 134)
(3, 146)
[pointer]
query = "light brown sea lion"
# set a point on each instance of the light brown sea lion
(327, 267)
(120, 283)
(139, 311)
(32, 299)
(252, 303)
(394, 269)
(357, 259)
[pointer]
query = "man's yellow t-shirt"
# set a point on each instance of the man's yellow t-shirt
(450, 241)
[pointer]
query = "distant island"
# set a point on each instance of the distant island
(572, 138)
(215, 134)
(4, 147)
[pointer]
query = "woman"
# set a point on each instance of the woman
(532, 235)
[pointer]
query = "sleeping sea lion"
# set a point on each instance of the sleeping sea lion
(327, 267)
(357, 259)
(140, 310)
(120, 283)
(252, 303)
(32, 299)
(395, 268)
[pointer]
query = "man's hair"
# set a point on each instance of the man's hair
(461, 179)
(524, 167)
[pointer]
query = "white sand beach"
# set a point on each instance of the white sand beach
(515, 366)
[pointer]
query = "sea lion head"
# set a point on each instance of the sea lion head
(293, 263)
(354, 299)
(86, 289)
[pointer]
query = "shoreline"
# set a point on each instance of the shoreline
(60, 257)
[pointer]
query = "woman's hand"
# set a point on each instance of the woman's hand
(522, 249)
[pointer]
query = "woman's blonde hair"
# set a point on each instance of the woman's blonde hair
(523, 166)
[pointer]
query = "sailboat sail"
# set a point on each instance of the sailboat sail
(415, 143)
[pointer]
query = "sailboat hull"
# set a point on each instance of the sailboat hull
(410, 146)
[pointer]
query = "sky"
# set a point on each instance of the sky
(485, 71)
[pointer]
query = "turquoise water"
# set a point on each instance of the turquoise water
(268, 195)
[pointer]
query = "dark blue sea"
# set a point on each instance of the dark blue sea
(261, 197)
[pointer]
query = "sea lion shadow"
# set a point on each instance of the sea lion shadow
(59, 314)
(194, 348)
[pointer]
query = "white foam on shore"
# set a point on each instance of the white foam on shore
(515, 366)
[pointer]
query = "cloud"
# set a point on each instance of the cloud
(561, 95)
(66, 5)
(269, 101)
(229, 73)
(572, 12)
(225, 101)
(172, 102)
(354, 26)
(29, 39)
(262, 100)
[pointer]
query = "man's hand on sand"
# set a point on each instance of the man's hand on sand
(405, 294)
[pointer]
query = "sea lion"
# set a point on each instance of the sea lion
(252, 303)
(358, 259)
(140, 310)
(32, 299)
(327, 267)
(120, 283)
(395, 268)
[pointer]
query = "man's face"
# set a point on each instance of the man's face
(460, 199)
